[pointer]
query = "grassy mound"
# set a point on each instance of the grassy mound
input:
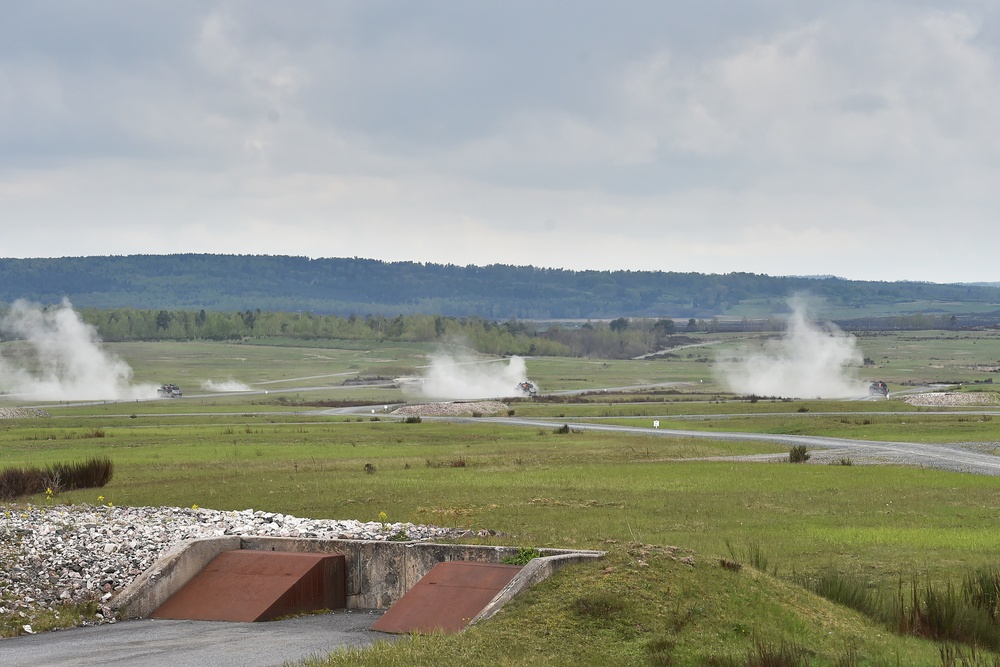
(649, 605)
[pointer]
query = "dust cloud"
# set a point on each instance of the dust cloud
(224, 386)
(808, 361)
(52, 354)
(451, 377)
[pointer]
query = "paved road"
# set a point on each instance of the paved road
(955, 457)
(167, 643)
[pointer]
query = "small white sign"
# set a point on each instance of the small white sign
(656, 423)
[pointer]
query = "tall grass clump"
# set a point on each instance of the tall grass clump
(798, 454)
(955, 656)
(766, 654)
(982, 589)
(848, 590)
(18, 482)
(945, 615)
(90, 474)
(966, 615)
(753, 556)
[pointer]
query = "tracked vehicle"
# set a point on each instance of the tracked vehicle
(169, 391)
(527, 388)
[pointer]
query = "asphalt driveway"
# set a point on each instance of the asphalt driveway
(170, 643)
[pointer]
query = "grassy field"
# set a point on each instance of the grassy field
(640, 498)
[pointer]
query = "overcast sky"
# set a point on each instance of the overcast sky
(786, 137)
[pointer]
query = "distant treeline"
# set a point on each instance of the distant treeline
(620, 338)
(341, 286)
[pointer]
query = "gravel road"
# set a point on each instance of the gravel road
(976, 458)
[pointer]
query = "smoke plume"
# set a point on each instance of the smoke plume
(57, 356)
(808, 361)
(224, 386)
(459, 378)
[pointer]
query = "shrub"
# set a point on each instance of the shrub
(798, 454)
(412, 419)
(370, 469)
(562, 430)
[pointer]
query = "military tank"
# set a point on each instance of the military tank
(169, 391)
(878, 388)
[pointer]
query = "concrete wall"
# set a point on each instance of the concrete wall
(378, 573)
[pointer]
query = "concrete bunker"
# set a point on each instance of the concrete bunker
(374, 574)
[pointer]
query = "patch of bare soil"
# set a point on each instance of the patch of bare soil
(470, 409)
(951, 398)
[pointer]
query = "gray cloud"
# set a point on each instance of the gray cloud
(768, 137)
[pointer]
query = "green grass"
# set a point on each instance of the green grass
(632, 495)
(543, 489)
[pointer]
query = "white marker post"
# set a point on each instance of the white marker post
(656, 423)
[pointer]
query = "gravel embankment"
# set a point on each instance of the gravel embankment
(457, 409)
(61, 554)
(22, 413)
(952, 398)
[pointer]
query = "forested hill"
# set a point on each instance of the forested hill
(344, 286)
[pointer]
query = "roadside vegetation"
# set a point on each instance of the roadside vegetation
(708, 562)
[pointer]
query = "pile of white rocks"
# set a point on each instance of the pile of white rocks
(22, 413)
(949, 398)
(453, 409)
(59, 554)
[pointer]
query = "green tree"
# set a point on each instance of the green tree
(619, 325)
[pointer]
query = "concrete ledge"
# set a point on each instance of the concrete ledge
(169, 574)
(378, 572)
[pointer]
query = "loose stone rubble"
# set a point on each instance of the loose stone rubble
(952, 398)
(22, 413)
(63, 554)
(457, 409)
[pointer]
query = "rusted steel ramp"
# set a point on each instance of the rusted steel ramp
(259, 586)
(447, 598)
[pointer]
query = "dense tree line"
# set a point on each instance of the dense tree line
(620, 339)
(341, 286)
